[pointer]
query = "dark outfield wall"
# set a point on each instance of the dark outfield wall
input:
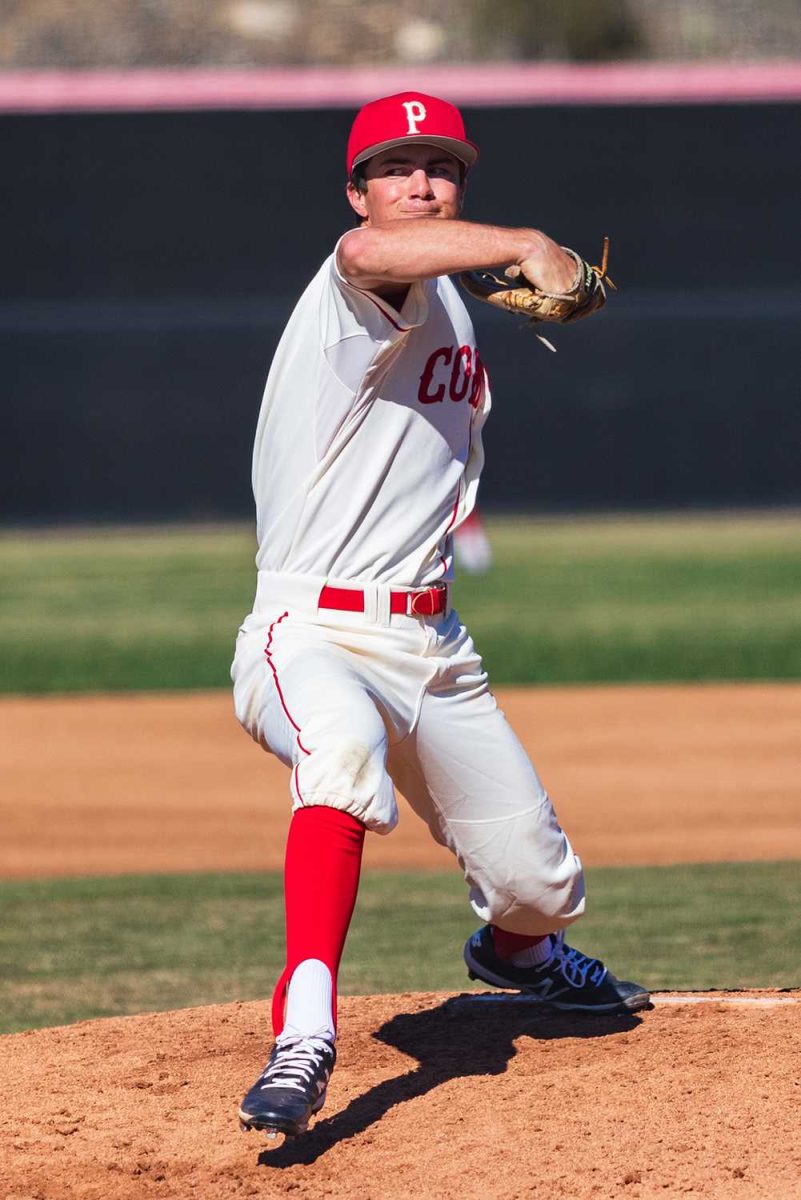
(150, 260)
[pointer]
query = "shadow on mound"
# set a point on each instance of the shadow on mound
(465, 1035)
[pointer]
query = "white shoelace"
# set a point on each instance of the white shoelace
(295, 1064)
(576, 967)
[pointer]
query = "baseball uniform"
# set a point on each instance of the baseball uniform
(353, 667)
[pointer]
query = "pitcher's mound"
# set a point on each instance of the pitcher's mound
(434, 1095)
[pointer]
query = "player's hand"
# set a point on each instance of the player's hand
(549, 269)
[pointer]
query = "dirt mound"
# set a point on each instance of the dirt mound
(434, 1095)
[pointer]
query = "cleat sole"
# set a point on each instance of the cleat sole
(272, 1126)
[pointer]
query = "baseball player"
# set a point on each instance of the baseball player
(353, 668)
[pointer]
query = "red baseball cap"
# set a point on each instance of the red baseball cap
(404, 118)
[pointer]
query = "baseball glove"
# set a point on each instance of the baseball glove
(516, 294)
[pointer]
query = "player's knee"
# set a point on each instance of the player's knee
(353, 767)
(552, 898)
(349, 773)
(247, 678)
(544, 898)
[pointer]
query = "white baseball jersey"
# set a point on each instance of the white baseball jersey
(368, 446)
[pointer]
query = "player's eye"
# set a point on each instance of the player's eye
(442, 171)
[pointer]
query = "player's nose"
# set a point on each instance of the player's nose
(420, 184)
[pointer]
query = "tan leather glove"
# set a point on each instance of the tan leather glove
(516, 294)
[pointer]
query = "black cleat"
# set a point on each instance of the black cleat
(568, 980)
(291, 1088)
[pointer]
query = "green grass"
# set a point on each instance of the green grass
(72, 949)
(641, 599)
(568, 601)
(122, 609)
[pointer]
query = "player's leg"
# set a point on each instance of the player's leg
(321, 880)
(468, 776)
(315, 714)
(322, 866)
(465, 773)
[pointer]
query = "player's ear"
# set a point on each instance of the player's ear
(356, 199)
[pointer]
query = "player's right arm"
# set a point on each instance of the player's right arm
(399, 252)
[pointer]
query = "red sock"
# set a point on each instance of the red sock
(321, 878)
(507, 944)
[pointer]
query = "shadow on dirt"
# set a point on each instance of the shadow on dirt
(465, 1035)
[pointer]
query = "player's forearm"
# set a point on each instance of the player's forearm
(402, 251)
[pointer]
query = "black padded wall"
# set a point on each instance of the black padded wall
(150, 261)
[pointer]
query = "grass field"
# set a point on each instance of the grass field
(71, 949)
(568, 601)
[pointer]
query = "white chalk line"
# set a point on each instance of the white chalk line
(753, 1001)
(657, 999)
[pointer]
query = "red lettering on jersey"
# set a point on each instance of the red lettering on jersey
(479, 382)
(462, 365)
(424, 395)
(467, 376)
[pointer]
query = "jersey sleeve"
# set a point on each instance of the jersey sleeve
(357, 326)
(360, 337)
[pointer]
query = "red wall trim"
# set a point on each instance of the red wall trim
(479, 84)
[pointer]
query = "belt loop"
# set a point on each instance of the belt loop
(370, 593)
(382, 604)
(376, 603)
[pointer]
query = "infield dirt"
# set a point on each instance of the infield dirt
(639, 775)
(433, 1095)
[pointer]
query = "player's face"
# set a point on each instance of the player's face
(407, 182)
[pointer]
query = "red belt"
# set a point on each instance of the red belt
(427, 602)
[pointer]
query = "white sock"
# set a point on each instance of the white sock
(534, 956)
(309, 1009)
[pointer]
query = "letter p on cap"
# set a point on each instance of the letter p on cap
(415, 112)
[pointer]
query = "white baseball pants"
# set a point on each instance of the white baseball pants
(359, 703)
